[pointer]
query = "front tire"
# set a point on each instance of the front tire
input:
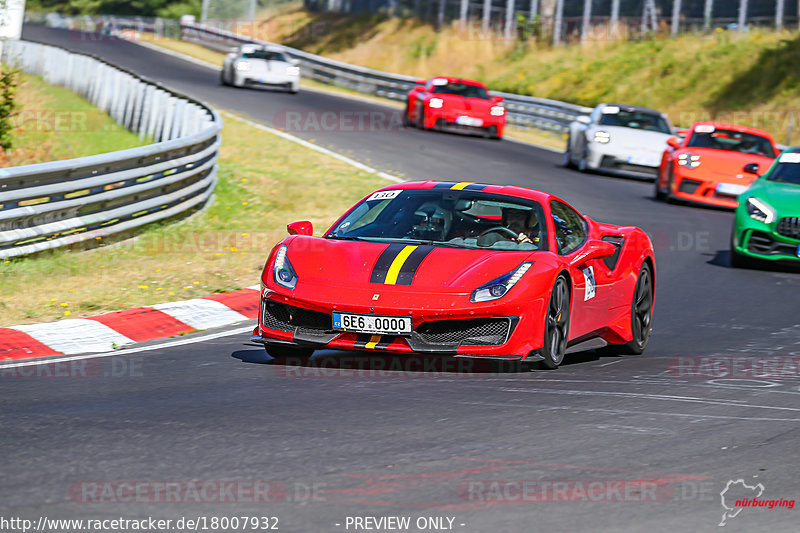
(421, 118)
(567, 157)
(641, 312)
(738, 260)
(556, 329)
(406, 122)
(583, 163)
(658, 194)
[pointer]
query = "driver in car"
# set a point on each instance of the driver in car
(517, 221)
(518, 225)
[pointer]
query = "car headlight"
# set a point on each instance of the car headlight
(242, 65)
(602, 137)
(282, 271)
(435, 103)
(759, 210)
(497, 111)
(689, 160)
(292, 71)
(497, 288)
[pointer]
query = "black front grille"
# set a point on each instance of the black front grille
(759, 242)
(475, 332)
(789, 227)
(763, 243)
(289, 318)
(689, 186)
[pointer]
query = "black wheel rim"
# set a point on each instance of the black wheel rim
(642, 307)
(558, 322)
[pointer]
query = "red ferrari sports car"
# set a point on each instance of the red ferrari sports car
(455, 103)
(714, 163)
(459, 269)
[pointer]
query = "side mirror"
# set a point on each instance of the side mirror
(751, 168)
(418, 89)
(674, 142)
(498, 99)
(304, 227)
(584, 119)
(595, 249)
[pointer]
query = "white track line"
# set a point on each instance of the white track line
(320, 149)
(128, 351)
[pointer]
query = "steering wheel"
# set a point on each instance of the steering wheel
(500, 229)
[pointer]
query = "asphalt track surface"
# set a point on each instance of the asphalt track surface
(420, 442)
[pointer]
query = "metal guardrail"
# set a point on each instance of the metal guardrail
(523, 111)
(63, 203)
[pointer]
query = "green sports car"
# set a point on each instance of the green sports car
(767, 224)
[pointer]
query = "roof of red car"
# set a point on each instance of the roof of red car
(451, 79)
(507, 190)
(733, 127)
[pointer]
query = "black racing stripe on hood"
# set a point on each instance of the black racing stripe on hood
(406, 275)
(384, 261)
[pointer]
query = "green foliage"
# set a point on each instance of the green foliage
(145, 8)
(185, 7)
(422, 47)
(8, 104)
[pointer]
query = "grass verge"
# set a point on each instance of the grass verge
(264, 182)
(55, 123)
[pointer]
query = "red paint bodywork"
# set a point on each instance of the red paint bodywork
(717, 166)
(335, 275)
(453, 106)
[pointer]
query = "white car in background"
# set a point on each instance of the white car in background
(256, 65)
(618, 138)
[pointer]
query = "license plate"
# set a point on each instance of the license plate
(390, 325)
(731, 189)
(469, 121)
(643, 161)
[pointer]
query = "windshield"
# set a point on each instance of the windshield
(732, 141)
(444, 217)
(264, 54)
(461, 89)
(639, 120)
(787, 170)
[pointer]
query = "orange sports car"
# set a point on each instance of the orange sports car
(713, 164)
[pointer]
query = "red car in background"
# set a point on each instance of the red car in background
(714, 163)
(466, 105)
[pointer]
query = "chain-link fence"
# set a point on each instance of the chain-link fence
(570, 20)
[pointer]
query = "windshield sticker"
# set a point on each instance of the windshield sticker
(439, 81)
(591, 284)
(610, 110)
(383, 195)
(790, 157)
(704, 128)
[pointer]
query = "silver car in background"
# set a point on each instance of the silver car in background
(266, 66)
(618, 138)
